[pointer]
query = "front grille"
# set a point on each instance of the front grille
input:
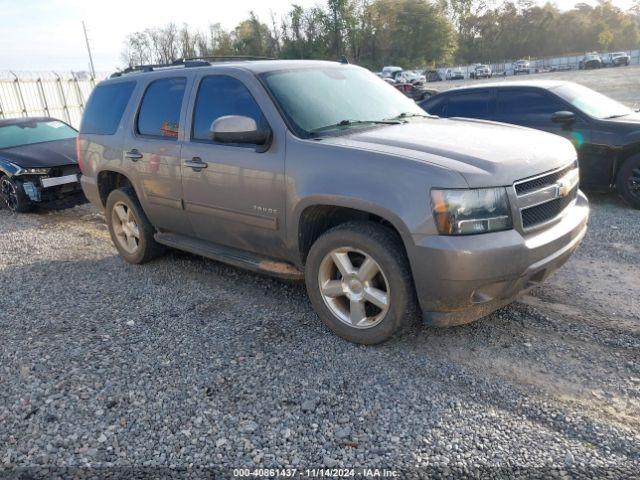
(527, 186)
(533, 216)
(64, 170)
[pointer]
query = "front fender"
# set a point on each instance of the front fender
(8, 168)
(352, 203)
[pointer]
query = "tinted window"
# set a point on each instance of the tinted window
(527, 102)
(159, 114)
(105, 107)
(219, 96)
(472, 105)
(27, 133)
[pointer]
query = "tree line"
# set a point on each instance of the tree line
(408, 33)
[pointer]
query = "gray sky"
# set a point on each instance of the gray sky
(47, 34)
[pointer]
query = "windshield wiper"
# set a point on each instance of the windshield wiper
(410, 114)
(347, 123)
(404, 115)
(617, 115)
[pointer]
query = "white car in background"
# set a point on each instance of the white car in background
(391, 72)
(454, 74)
(521, 66)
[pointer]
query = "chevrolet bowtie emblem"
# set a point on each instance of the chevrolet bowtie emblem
(566, 183)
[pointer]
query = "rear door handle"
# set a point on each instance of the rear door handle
(196, 163)
(133, 154)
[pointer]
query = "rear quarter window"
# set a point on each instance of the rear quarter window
(105, 108)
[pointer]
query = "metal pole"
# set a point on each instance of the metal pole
(65, 107)
(43, 96)
(19, 94)
(86, 39)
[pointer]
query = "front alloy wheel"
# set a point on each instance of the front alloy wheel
(354, 287)
(359, 282)
(13, 197)
(628, 181)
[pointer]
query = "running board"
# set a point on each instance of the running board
(231, 256)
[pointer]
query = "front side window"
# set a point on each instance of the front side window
(318, 98)
(28, 133)
(218, 96)
(159, 114)
(470, 105)
(529, 103)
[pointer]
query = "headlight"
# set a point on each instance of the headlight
(469, 211)
(32, 171)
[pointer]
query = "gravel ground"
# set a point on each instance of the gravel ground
(621, 83)
(185, 363)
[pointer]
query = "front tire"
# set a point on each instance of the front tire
(359, 282)
(129, 227)
(628, 181)
(13, 196)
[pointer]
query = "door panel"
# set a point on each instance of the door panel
(237, 199)
(152, 148)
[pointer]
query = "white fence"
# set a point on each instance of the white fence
(547, 63)
(50, 94)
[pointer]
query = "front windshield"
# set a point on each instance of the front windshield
(315, 98)
(27, 133)
(591, 102)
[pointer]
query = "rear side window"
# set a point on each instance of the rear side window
(218, 96)
(527, 102)
(471, 105)
(159, 114)
(434, 106)
(105, 108)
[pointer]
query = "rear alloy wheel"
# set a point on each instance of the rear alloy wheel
(125, 228)
(130, 230)
(13, 196)
(628, 182)
(359, 282)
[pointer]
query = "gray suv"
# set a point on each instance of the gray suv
(322, 171)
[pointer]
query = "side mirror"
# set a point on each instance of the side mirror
(240, 130)
(563, 117)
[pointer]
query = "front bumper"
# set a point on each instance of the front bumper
(48, 189)
(460, 279)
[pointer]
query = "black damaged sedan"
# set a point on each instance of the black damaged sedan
(38, 162)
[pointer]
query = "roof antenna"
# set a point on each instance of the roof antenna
(344, 60)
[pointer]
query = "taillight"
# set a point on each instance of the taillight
(78, 156)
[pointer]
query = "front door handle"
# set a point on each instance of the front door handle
(196, 163)
(133, 154)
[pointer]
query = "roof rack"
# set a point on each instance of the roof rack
(188, 62)
(228, 58)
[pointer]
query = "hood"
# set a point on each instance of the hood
(486, 154)
(42, 155)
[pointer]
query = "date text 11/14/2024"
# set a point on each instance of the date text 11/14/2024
(315, 473)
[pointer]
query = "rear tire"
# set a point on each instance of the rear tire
(367, 292)
(628, 181)
(130, 229)
(13, 196)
